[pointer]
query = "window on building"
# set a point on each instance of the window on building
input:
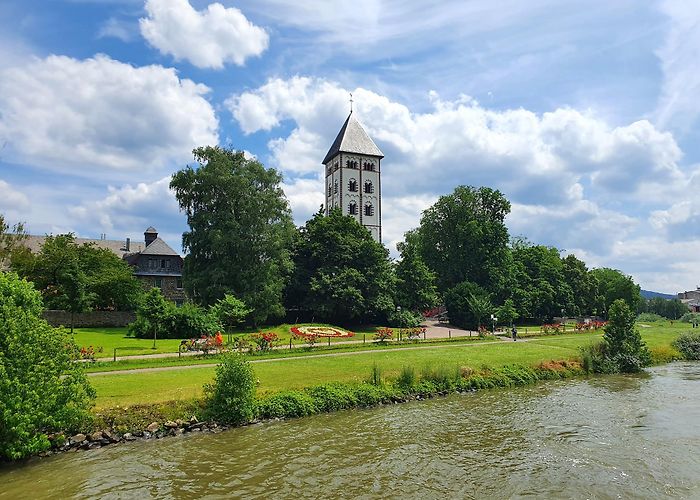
(152, 263)
(352, 185)
(369, 210)
(351, 164)
(179, 283)
(369, 188)
(162, 263)
(352, 208)
(335, 187)
(368, 166)
(158, 283)
(329, 189)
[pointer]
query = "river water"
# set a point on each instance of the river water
(606, 437)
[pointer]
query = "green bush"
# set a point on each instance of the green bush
(231, 398)
(650, 317)
(442, 377)
(375, 376)
(690, 317)
(42, 389)
(188, 321)
(407, 378)
(332, 397)
(286, 404)
(404, 319)
(688, 344)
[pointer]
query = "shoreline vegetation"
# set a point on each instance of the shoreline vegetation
(376, 386)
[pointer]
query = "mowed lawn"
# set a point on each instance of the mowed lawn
(292, 373)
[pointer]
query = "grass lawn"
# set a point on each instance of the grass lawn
(298, 372)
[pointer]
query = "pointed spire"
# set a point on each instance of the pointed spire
(352, 138)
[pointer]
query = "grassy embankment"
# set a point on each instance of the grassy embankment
(121, 389)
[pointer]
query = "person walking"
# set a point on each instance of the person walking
(514, 333)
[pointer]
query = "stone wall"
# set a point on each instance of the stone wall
(90, 319)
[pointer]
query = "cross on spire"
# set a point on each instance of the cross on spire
(351, 102)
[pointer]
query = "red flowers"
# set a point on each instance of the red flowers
(265, 340)
(384, 334)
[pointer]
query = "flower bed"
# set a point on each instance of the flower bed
(305, 332)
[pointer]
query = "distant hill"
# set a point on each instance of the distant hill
(650, 295)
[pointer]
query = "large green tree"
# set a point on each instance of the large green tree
(415, 282)
(583, 286)
(42, 388)
(612, 285)
(340, 272)
(467, 305)
(463, 237)
(622, 343)
(240, 230)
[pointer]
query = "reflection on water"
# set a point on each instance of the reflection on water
(607, 437)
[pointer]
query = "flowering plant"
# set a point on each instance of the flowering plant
(304, 332)
(413, 333)
(384, 334)
(265, 341)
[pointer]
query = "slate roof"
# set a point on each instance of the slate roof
(34, 243)
(159, 247)
(352, 138)
(151, 230)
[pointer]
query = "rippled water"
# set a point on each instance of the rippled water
(608, 437)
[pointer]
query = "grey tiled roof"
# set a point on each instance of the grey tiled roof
(34, 244)
(151, 230)
(158, 247)
(352, 138)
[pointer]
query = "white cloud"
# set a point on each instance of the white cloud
(678, 104)
(98, 116)
(11, 199)
(208, 38)
(305, 197)
(125, 31)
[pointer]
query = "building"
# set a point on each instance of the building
(353, 182)
(158, 265)
(691, 299)
(155, 263)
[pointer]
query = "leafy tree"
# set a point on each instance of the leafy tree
(341, 273)
(463, 237)
(507, 313)
(583, 286)
(230, 311)
(415, 282)
(240, 230)
(42, 389)
(153, 312)
(110, 279)
(668, 308)
(11, 238)
(622, 343)
(612, 285)
(459, 300)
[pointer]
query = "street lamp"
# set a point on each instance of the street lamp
(563, 319)
(493, 323)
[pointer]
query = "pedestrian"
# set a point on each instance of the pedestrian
(514, 333)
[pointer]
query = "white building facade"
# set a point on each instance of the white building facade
(353, 177)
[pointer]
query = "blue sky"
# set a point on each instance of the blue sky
(585, 114)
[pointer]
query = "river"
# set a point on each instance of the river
(605, 437)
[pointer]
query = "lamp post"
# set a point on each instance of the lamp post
(493, 323)
(563, 319)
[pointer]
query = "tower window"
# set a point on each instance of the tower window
(351, 164)
(368, 166)
(335, 187)
(335, 166)
(369, 188)
(352, 208)
(352, 185)
(329, 189)
(369, 210)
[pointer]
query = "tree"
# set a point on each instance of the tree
(415, 282)
(230, 311)
(459, 300)
(612, 285)
(582, 284)
(622, 343)
(507, 313)
(240, 230)
(463, 237)
(340, 272)
(42, 388)
(668, 308)
(11, 238)
(110, 279)
(153, 311)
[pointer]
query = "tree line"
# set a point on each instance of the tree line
(242, 242)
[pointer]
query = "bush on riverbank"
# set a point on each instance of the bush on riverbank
(231, 398)
(688, 344)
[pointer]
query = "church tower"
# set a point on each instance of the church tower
(353, 176)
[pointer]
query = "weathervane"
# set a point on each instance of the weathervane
(351, 102)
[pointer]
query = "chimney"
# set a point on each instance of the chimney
(150, 235)
(128, 244)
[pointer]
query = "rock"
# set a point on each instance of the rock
(146, 435)
(170, 424)
(94, 446)
(96, 436)
(195, 429)
(105, 441)
(128, 437)
(177, 432)
(193, 419)
(180, 422)
(113, 438)
(77, 439)
(153, 427)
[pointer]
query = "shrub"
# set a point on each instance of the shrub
(404, 319)
(375, 376)
(332, 397)
(650, 317)
(688, 344)
(664, 354)
(442, 377)
(42, 389)
(231, 398)
(265, 341)
(171, 322)
(690, 317)
(286, 404)
(384, 334)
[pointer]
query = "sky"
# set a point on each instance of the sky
(585, 114)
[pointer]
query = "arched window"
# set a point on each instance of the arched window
(352, 185)
(369, 188)
(352, 208)
(368, 166)
(335, 187)
(369, 210)
(329, 189)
